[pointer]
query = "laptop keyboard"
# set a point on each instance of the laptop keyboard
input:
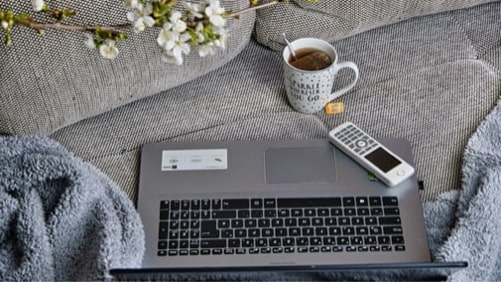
(279, 225)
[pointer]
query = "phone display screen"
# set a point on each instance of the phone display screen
(382, 159)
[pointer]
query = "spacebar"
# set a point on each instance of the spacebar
(308, 202)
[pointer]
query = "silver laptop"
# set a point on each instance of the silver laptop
(273, 203)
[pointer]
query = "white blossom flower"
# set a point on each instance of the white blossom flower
(214, 11)
(108, 50)
(38, 5)
(141, 17)
(206, 49)
(223, 37)
(194, 10)
(131, 4)
(5, 24)
(180, 48)
(168, 57)
(178, 25)
(167, 38)
(89, 41)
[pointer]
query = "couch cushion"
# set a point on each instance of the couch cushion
(52, 81)
(333, 20)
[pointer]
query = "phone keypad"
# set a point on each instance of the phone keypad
(356, 140)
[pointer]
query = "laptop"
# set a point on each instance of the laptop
(273, 205)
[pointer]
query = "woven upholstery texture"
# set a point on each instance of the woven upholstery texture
(431, 80)
(53, 81)
(334, 20)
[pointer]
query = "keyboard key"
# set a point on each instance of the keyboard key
(261, 242)
(390, 220)
(209, 229)
(391, 211)
(309, 202)
(175, 205)
(185, 204)
(224, 214)
(395, 240)
(383, 240)
(237, 223)
(390, 201)
(257, 213)
(254, 233)
(164, 205)
(268, 232)
(224, 223)
(241, 233)
(348, 202)
(281, 232)
(163, 230)
(164, 214)
(250, 223)
(247, 243)
(162, 244)
(400, 248)
(216, 204)
(215, 243)
(392, 230)
(256, 203)
(362, 201)
(375, 201)
(288, 241)
(270, 203)
(234, 204)
(243, 214)
(264, 222)
(195, 204)
(206, 204)
(265, 250)
(277, 222)
(274, 242)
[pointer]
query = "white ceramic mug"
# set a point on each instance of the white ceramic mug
(308, 91)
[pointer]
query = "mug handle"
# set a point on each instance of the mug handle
(345, 89)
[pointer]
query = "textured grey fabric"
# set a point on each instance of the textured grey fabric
(420, 79)
(334, 20)
(426, 79)
(60, 218)
(52, 81)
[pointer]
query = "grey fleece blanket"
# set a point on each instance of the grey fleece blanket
(466, 224)
(60, 218)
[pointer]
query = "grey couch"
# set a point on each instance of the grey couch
(429, 72)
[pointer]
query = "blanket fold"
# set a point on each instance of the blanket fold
(464, 225)
(60, 218)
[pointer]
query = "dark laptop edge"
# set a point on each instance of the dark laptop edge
(432, 271)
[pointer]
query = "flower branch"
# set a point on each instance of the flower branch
(199, 25)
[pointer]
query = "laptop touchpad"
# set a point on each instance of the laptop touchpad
(300, 165)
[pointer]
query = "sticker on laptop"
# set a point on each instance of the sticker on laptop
(182, 160)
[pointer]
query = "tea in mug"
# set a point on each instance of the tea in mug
(310, 59)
